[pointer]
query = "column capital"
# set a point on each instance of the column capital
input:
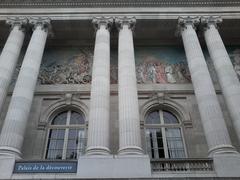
(129, 21)
(210, 20)
(21, 22)
(105, 21)
(43, 22)
(184, 21)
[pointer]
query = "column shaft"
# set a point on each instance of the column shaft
(211, 115)
(98, 129)
(226, 75)
(15, 123)
(129, 122)
(9, 56)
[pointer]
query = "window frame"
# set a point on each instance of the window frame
(65, 127)
(163, 126)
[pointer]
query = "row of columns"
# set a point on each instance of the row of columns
(129, 124)
(13, 130)
(12, 135)
(214, 125)
(213, 122)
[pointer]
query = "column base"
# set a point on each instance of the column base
(227, 165)
(6, 151)
(114, 167)
(6, 166)
(97, 150)
(130, 150)
(222, 149)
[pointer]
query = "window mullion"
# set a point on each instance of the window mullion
(165, 143)
(68, 118)
(164, 135)
(65, 144)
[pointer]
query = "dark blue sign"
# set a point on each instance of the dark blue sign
(45, 167)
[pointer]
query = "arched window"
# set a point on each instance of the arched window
(66, 138)
(163, 135)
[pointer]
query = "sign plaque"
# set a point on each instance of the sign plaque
(45, 167)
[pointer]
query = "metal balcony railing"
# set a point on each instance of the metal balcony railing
(182, 165)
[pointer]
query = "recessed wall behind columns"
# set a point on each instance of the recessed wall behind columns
(47, 96)
(159, 69)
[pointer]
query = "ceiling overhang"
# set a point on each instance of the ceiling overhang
(116, 3)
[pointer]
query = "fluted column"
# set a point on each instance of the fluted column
(98, 129)
(226, 75)
(12, 135)
(211, 114)
(10, 54)
(129, 122)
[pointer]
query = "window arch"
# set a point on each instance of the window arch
(66, 135)
(163, 135)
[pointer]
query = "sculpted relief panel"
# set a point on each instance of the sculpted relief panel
(153, 65)
(235, 57)
(66, 66)
(161, 65)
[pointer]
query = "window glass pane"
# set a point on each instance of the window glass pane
(60, 119)
(54, 154)
(55, 146)
(73, 133)
(77, 118)
(71, 154)
(154, 143)
(175, 143)
(169, 118)
(76, 143)
(153, 118)
(81, 145)
(56, 134)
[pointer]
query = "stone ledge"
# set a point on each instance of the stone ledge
(114, 167)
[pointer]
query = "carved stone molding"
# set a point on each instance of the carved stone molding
(21, 22)
(68, 101)
(211, 20)
(118, 3)
(184, 21)
(129, 21)
(43, 22)
(99, 21)
(163, 101)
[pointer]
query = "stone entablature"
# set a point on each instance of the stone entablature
(118, 3)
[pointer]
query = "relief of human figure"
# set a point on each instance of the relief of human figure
(160, 70)
(237, 69)
(179, 70)
(151, 72)
(140, 73)
(169, 74)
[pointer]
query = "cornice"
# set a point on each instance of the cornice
(116, 3)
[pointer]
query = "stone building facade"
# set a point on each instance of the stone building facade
(119, 89)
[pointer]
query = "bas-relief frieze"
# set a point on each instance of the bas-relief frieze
(161, 65)
(235, 57)
(66, 66)
(153, 65)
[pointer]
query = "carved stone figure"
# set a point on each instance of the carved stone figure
(160, 70)
(169, 74)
